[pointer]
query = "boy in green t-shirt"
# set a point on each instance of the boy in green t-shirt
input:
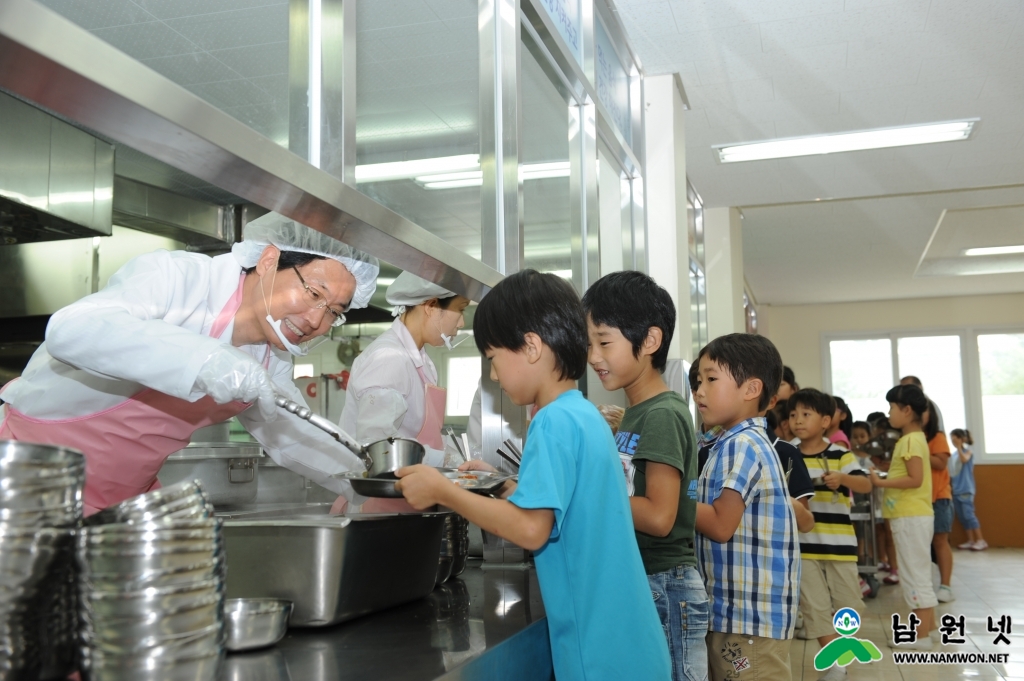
(630, 321)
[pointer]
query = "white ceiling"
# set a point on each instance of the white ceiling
(757, 69)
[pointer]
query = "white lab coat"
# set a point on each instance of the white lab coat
(385, 394)
(148, 329)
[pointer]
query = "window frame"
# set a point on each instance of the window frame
(970, 371)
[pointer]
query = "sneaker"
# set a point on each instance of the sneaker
(966, 546)
(892, 578)
(884, 567)
(835, 673)
(979, 545)
(924, 643)
(945, 594)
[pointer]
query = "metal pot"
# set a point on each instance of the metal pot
(227, 470)
(384, 457)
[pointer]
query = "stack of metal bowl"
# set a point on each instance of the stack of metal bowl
(40, 510)
(454, 548)
(152, 589)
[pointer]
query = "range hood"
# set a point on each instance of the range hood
(56, 181)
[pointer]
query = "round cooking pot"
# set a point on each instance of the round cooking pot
(384, 457)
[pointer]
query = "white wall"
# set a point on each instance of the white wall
(723, 271)
(796, 329)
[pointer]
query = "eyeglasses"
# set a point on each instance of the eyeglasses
(318, 301)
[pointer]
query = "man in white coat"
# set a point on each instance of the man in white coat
(177, 341)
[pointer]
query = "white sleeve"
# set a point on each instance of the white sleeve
(131, 330)
(298, 445)
(378, 388)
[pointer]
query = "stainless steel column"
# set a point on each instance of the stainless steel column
(501, 221)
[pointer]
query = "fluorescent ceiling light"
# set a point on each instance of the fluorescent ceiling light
(530, 171)
(404, 170)
(881, 138)
(995, 250)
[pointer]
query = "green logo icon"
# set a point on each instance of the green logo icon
(845, 649)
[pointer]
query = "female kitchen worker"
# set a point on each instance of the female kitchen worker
(392, 390)
(177, 341)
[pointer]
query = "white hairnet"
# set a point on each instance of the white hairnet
(289, 235)
(408, 290)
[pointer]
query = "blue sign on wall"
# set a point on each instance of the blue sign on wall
(566, 15)
(612, 82)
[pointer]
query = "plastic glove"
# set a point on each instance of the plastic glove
(612, 414)
(230, 375)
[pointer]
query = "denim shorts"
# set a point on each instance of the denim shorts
(963, 504)
(943, 515)
(682, 603)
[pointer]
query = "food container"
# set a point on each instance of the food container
(332, 568)
(252, 623)
(228, 470)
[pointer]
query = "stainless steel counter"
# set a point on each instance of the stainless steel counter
(486, 624)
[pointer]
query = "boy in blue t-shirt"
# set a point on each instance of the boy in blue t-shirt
(570, 506)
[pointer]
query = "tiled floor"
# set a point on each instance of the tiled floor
(987, 583)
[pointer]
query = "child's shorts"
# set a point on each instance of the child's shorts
(825, 587)
(913, 539)
(739, 657)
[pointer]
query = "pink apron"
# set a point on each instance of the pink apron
(126, 445)
(434, 403)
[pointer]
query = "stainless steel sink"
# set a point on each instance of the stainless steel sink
(333, 568)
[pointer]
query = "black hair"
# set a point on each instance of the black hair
(531, 302)
(908, 396)
(746, 356)
(876, 416)
(289, 259)
(863, 425)
(632, 302)
(782, 411)
(815, 400)
(931, 429)
(773, 420)
(914, 380)
(694, 371)
(963, 434)
(846, 424)
(445, 303)
(789, 377)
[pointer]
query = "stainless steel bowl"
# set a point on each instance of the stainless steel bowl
(255, 622)
(387, 456)
(155, 668)
(112, 581)
(163, 600)
(152, 624)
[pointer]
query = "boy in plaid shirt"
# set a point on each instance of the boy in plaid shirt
(748, 549)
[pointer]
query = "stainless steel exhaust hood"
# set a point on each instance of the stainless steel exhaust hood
(56, 181)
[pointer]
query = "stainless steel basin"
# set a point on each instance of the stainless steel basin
(332, 568)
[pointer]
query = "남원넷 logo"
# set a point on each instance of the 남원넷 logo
(845, 649)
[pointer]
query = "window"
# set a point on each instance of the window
(463, 380)
(1001, 360)
(936, 361)
(862, 374)
(982, 392)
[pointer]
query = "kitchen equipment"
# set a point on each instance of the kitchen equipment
(481, 482)
(40, 510)
(252, 623)
(458, 446)
(516, 452)
(332, 568)
(508, 458)
(228, 470)
(454, 547)
(381, 458)
(152, 588)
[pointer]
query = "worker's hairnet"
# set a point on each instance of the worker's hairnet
(408, 290)
(289, 235)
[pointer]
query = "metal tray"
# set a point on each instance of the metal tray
(332, 568)
(481, 482)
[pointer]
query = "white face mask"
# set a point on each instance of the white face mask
(448, 339)
(300, 350)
